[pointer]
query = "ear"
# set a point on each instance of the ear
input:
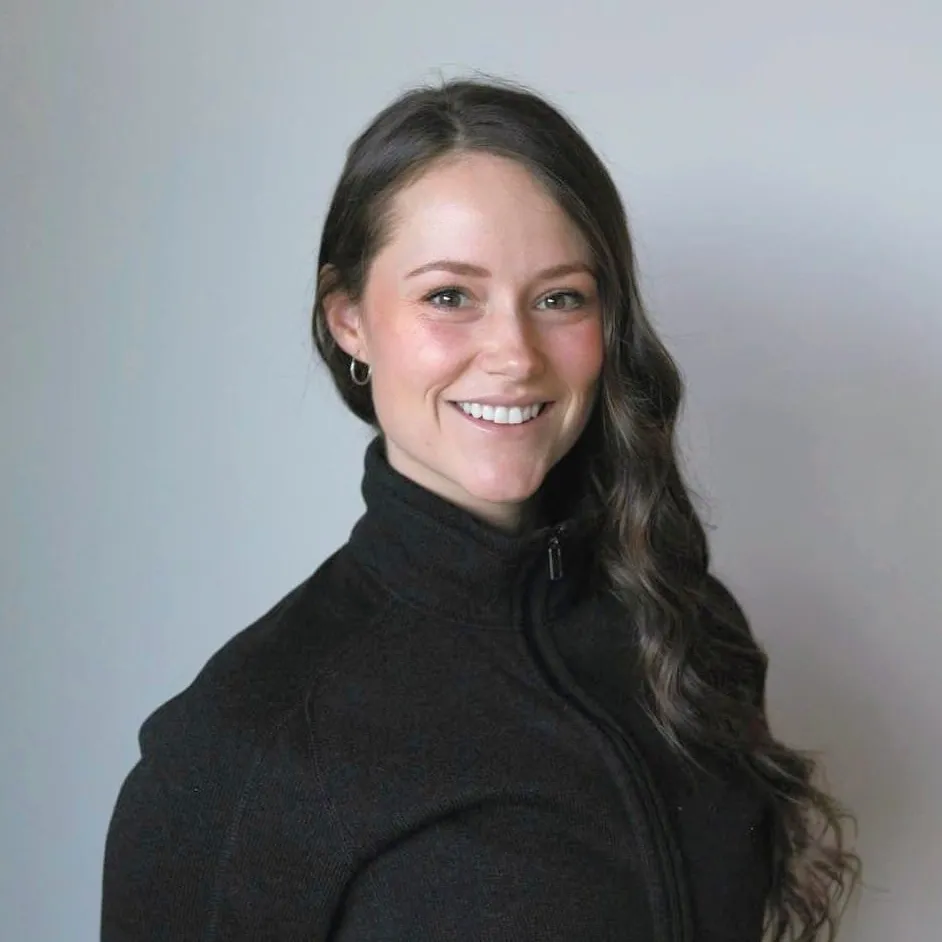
(345, 322)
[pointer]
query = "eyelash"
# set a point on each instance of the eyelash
(577, 296)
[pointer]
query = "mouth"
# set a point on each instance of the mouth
(503, 418)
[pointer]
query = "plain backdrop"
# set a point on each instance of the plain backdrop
(174, 459)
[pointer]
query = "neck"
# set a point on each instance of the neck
(450, 561)
(512, 518)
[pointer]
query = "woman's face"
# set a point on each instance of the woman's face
(483, 295)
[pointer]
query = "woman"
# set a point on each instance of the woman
(515, 704)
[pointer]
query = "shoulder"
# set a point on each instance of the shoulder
(728, 648)
(228, 781)
(255, 682)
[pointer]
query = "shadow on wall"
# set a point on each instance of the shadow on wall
(813, 358)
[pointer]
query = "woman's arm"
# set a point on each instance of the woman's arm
(221, 832)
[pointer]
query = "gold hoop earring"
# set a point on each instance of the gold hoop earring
(353, 373)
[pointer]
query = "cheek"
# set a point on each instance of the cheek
(578, 353)
(419, 353)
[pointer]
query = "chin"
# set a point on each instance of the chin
(505, 491)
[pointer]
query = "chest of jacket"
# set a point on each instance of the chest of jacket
(474, 790)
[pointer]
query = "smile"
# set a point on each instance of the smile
(502, 415)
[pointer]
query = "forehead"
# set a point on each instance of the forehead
(483, 209)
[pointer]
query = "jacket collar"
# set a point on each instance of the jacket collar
(439, 557)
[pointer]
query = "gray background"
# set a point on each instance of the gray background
(174, 461)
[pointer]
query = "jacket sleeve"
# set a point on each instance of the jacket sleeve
(221, 832)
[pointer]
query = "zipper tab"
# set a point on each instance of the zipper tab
(555, 558)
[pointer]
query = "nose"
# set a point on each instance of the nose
(510, 344)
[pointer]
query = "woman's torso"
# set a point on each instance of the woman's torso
(421, 742)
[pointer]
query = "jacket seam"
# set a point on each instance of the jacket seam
(335, 815)
(249, 789)
(253, 781)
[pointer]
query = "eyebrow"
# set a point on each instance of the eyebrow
(475, 271)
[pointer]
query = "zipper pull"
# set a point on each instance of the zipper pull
(555, 558)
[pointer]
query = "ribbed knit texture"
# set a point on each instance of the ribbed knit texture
(386, 756)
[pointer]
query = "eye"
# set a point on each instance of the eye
(561, 301)
(446, 297)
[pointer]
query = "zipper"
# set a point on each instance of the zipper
(672, 918)
(555, 554)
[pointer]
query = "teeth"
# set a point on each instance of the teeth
(502, 415)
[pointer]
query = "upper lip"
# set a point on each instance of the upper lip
(500, 401)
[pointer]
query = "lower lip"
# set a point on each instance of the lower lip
(504, 428)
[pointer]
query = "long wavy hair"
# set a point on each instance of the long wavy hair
(703, 672)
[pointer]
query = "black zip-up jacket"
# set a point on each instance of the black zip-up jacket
(434, 737)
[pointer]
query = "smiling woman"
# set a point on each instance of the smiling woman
(516, 704)
(510, 319)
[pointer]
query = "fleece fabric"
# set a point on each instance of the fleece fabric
(436, 736)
